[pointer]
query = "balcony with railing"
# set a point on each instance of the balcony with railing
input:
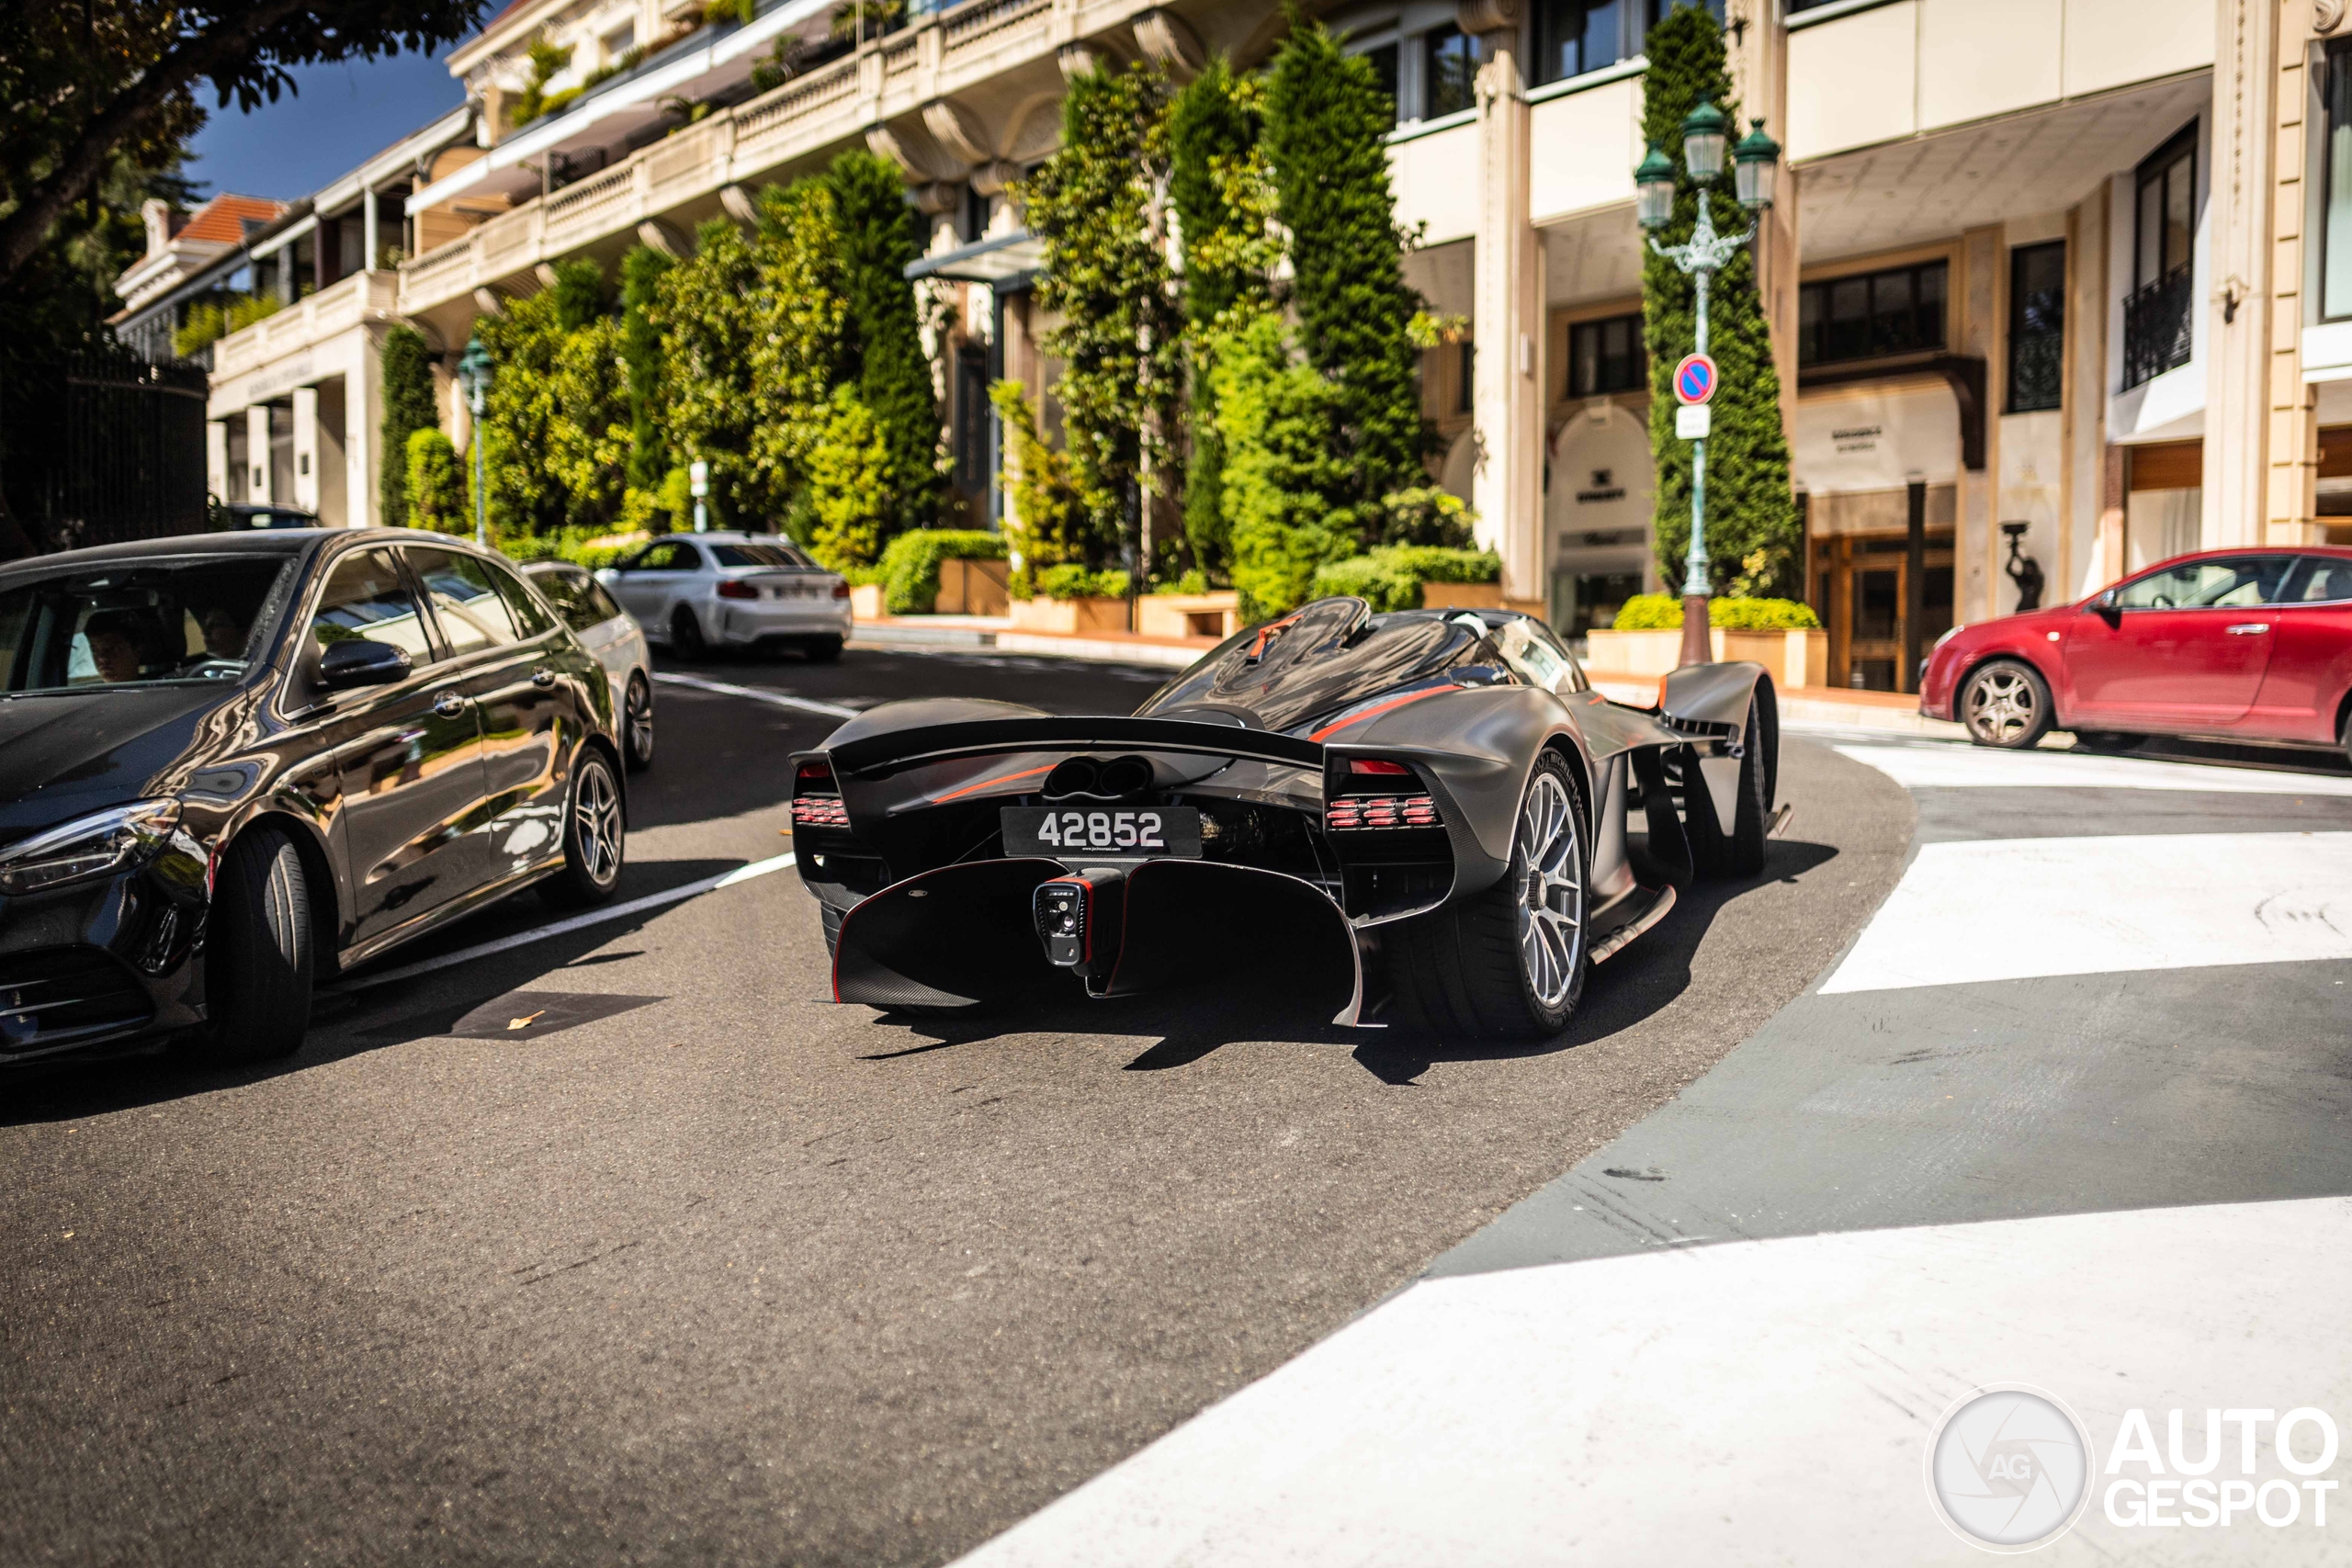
(362, 297)
(2159, 327)
(895, 75)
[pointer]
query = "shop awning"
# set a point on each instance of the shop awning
(1000, 258)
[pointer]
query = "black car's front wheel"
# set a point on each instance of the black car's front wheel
(258, 951)
(1510, 963)
(594, 837)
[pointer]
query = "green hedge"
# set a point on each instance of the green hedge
(1663, 613)
(573, 544)
(1391, 579)
(1074, 582)
(909, 566)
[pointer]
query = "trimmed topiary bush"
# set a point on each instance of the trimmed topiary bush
(408, 408)
(1663, 613)
(435, 484)
(1391, 579)
(1073, 581)
(910, 564)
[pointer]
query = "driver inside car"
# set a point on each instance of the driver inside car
(123, 643)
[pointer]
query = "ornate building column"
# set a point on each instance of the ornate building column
(2261, 435)
(1506, 322)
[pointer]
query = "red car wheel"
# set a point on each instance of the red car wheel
(2006, 704)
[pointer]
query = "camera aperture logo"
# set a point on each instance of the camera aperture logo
(2009, 1468)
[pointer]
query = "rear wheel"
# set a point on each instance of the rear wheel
(2347, 736)
(636, 725)
(822, 650)
(595, 838)
(259, 959)
(2006, 704)
(1510, 963)
(685, 636)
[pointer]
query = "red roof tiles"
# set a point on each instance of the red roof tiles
(222, 219)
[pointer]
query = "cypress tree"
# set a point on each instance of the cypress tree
(1751, 512)
(882, 340)
(642, 270)
(1326, 128)
(408, 408)
(579, 293)
(1101, 205)
(1212, 134)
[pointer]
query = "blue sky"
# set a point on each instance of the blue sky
(343, 114)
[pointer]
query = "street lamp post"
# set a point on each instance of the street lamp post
(1704, 135)
(473, 376)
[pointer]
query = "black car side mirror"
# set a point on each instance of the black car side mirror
(2109, 606)
(356, 661)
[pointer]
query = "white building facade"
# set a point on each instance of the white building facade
(2082, 266)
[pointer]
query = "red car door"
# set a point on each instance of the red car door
(2183, 647)
(2310, 654)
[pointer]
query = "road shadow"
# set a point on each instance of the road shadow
(347, 1023)
(1642, 981)
(2173, 749)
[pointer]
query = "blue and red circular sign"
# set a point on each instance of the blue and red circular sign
(1695, 381)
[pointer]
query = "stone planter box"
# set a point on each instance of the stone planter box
(1188, 614)
(973, 588)
(1067, 617)
(865, 601)
(1461, 595)
(1478, 596)
(1793, 657)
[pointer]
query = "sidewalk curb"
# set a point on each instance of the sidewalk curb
(960, 639)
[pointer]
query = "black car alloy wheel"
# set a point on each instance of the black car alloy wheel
(595, 836)
(1510, 962)
(686, 635)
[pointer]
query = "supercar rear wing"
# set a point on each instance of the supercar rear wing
(878, 756)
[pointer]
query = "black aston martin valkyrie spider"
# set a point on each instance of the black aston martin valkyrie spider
(1430, 811)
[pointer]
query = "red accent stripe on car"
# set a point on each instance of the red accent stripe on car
(1377, 709)
(1001, 778)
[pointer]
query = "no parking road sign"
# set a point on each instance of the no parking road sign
(1695, 381)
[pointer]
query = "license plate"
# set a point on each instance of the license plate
(1058, 834)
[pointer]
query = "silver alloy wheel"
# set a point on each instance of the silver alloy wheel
(2000, 706)
(596, 817)
(639, 719)
(1551, 892)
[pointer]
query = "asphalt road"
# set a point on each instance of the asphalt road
(695, 1266)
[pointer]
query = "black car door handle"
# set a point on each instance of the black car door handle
(448, 704)
(543, 676)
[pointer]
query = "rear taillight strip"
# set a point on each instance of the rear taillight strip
(820, 811)
(1357, 812)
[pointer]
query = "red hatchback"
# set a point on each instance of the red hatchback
(2243, 645)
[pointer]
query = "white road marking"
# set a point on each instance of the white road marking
(776, 699)
(1973, 767)
(2010, 908)
(1754, 1402)
(571, 923)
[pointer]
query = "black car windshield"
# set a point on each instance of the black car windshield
(140, 623)
(757, 555)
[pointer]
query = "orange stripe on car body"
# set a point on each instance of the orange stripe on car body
(1001, 778)
(1377, 709)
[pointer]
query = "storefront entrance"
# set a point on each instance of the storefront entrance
(1860, 584)
(1598, 495)
(1880, 466)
